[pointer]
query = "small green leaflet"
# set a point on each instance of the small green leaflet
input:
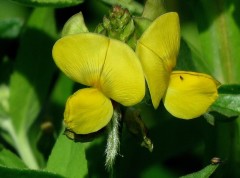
(52, 3)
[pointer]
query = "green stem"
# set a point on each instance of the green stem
(113, 141)
(22, 145)
(153, 9)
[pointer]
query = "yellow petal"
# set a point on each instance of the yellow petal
(81, 57)
(122, 77)
(158, 50)
(87, 111)
(156, 74)
(107, 64)
(190, 94)
(162, 37)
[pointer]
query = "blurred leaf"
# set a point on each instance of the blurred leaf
(52, 3)
(12, 18)
(153, 9)
(62, 90)
(131, 5)
(30, 81)
(23, 173)
(204, 173)
(10, 28)
(218, 43)
(10, 160)
(228, 102)
(4, 113)
(218, 27)
(33, 71)
(73, 162)
(4, 101)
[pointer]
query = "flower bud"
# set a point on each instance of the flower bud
(74, 25)
(118, 24)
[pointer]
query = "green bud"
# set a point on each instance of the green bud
(118, 24)
(74, 25)
(128, 30)
(106, 22)
(100, 29)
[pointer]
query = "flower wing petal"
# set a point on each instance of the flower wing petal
(190, 94)
(122, 77)
(81, 57)
(162, 37)
(157, 50)
(156, 74)
(87, 111)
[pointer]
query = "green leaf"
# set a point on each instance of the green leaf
(10, 160)
(10, 28)
(228, 102)
(4, 101)
(153, 9)
(51, 3)
(68, 158)
(23, 173)
(12, 18)
(204, 173)
(30, 81)
(219, 44)
(33, 70)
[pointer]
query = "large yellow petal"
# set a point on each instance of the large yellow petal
(190, 94)
(158, 49)
(87, 111)
(162, 37)
(122, 77)
(156, 74)
(81, 57)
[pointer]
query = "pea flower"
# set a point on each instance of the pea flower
(185, 94)
(111, 71)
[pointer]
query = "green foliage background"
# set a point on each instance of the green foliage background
(33, 93)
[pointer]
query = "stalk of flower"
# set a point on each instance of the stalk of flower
(185, 95)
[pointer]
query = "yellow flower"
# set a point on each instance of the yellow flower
(109, 67)
(185, 95)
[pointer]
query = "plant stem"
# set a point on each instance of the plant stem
(113, 141)
(22, 145)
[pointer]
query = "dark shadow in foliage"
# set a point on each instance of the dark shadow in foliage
(236, 12)
(171, 138)
(34, 62)
(207, 11)
(95, 156)
(184, 60)
(175, 144)
(219, 142)
(93, 12)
